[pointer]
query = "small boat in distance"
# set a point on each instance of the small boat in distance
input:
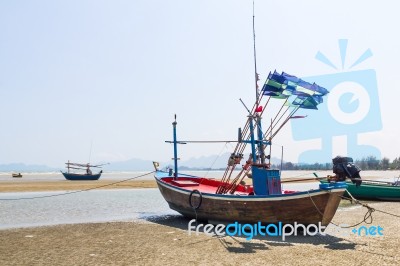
(17, 175)
(83, 171)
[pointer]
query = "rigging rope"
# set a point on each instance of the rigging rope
(286, 120)
(276, 116)
(219, 155)
(83, 190)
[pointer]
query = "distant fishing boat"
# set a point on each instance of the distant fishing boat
(17, 175)
(83, 171)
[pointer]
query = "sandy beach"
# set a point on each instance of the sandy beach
(23, 186)
(165, 241)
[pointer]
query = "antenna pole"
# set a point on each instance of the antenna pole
(240, 99)
(90, 153)
(175, 149)
(255, 58)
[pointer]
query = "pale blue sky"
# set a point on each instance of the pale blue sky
(113, 73)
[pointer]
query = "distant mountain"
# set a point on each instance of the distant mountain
(212, 161)
(215, 162)
(21, 167)
(130, 165)
(203, 162)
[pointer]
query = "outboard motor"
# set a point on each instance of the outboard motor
(344, 167)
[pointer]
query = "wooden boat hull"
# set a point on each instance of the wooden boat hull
(373, 191)
(16, 175)
(306, 208)
(70, 176)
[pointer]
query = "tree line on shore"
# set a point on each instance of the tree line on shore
(366, 163)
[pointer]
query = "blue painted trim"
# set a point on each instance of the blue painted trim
(330, 186)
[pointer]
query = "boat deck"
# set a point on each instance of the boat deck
(206, 185)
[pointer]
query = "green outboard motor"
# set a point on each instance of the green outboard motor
(344, 167)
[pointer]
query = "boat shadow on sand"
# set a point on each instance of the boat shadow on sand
(239, 244)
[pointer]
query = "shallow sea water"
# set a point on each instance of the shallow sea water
(83, 207)
(57, 207)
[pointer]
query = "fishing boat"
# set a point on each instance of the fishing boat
(372, 190)
(345, 170)
(16, 175)
(82, 171)
(375, 190)
(229, 199)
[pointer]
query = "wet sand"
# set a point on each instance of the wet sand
(21, 185)
(165, 241)
(24, 186)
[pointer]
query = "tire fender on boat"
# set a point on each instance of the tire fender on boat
(190, 199)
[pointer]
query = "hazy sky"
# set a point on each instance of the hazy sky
(112, 74)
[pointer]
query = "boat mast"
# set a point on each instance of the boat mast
(175, 150)
(255, 58)
(257, 116)
(252, 141)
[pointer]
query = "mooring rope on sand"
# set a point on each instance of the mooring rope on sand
(352, 199)
(82, 190)
(368, 219)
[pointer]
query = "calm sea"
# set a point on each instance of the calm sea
(57, 207)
